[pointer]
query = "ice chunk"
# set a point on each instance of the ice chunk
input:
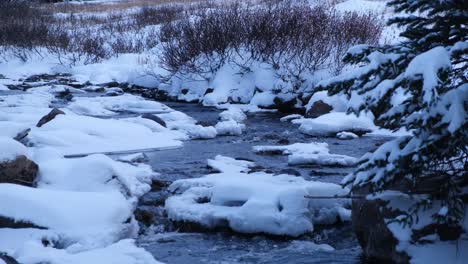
(307, 153)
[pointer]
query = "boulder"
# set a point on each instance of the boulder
(155, 118)
(376, 240)
(51, 115)
(318, 108)
(285, 105)
(20, 171)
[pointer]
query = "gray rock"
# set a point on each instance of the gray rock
(51, 115)
(318, 108)
(20, 171)
(155, 118)
(21, 136)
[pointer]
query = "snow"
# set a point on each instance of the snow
(291, 117)
(122, 252)
(227, 164)
(73, 134)
(429, 64)
(361, 6)
(233, 113)
(346, 135)
(10, 149)
(254, 203)
(97, 173)
(80, 216)
(231, 128)
(308, 153)
(309, 246)
(332, 123)
(111, 105)
(337, 102)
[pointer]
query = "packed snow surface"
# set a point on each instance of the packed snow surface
(254, 203)
(10, 149)
(307, 153)
(332, 123)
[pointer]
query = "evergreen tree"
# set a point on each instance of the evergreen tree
(420, 84)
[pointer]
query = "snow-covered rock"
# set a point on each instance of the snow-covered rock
(231, 128)
(346, 135)
(308, 153)
(256, 202)
(74, 134)
(332, 123)
(233, 113)
(111, 105)
(82, 217)
(96, 173)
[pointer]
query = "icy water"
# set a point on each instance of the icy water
(172, 246)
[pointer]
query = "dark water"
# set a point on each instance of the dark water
(226, 247)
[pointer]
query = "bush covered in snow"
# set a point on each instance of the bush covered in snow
(419, 84)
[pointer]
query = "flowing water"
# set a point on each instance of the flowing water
(169, 245)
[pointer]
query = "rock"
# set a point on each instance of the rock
(51, 115)
(283, 141)
(376, 240)
(209, 90)
(114, 92)
(20, 137)
(184, 91)
(7, 259)
(318, 108)
(285, 106)
(65, 94)
(20, 171)
(155, 118)
(6, 222)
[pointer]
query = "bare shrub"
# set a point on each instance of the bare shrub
(22, 27)
(292, 36)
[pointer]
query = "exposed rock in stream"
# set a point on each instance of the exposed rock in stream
(51, 115)
(21, 171)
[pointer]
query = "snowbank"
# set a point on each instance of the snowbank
(96, 173)
(111, 105)
(308, 153)
(254, 203)
(88, 218)
(73, 134)
(10, 149)
(332, 123)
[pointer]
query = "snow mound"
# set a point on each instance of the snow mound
(96, 173)
(307, 153)
(229, 128)
(332, 123)
(80, 216)
(10, 149)
(227, 164)
(346, 135)
(111, 105)
(123, 252)
(233, 113)
(179, 121)
(256, 202)
(73, 134)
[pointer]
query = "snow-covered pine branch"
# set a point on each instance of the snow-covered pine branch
(419, 84)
